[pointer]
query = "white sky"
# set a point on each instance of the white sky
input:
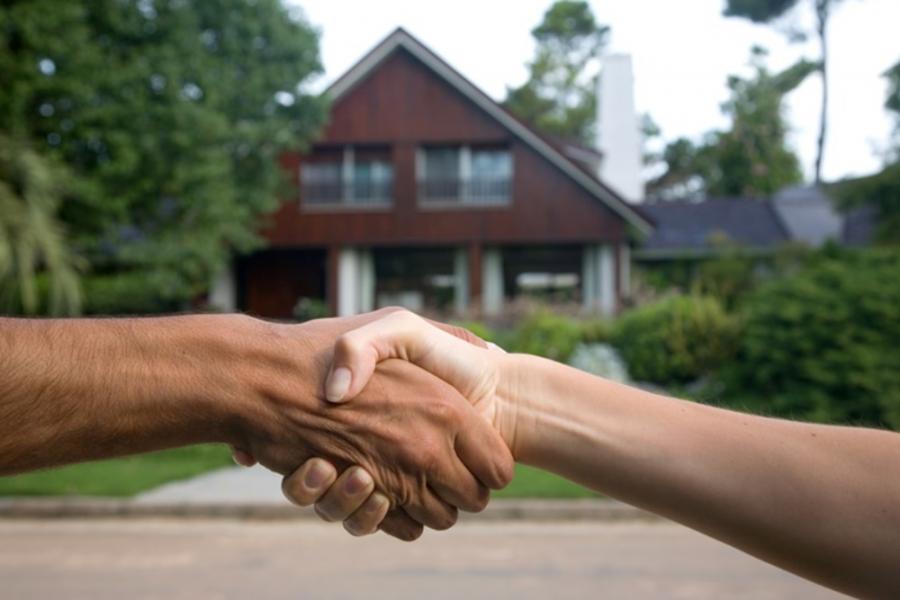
(683, 50)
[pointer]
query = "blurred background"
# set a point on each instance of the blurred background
(697, 197)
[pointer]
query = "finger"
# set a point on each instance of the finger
(401, 335)
(432, 512)
(347, 494)
(368, 517)
(242, 457)
(397, 523)
(456, 485)
(482, 450)
(310, 482)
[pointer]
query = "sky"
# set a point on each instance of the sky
(683, 51)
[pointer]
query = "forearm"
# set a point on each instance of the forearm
(82, 389)
(821, 501)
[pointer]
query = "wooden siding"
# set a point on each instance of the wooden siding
(403, 104)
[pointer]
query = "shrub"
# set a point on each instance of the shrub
(675, 340)
(127, 294)
(308, 309)
(545, 334)
(822, 345)
(479, 329)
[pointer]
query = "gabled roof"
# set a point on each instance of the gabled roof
(808, 214)
(691, 228)
(400, 39)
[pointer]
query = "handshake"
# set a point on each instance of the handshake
(422, 419)
(416, 414)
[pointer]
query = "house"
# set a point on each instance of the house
(422, 191)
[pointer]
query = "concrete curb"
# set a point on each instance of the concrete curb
(106, 508)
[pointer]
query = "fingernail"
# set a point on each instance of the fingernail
(316, 476)
(338, 384)
(357, 482)
(495, 347)
(242, 458)
(376, 503)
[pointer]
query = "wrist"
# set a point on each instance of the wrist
(268, 371)
(517, 411)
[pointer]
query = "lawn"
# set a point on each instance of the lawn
(134, 474)
(118, 476)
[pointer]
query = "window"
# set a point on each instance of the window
(465, 175)
(348, 175)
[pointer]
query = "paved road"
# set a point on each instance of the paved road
(188, 559)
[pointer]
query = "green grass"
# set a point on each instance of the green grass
(534, 483)
(134, 474)
(119, 476)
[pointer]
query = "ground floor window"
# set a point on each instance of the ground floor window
(549, 274)
(421, 279)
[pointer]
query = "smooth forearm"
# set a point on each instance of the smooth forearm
(81, 389)
(821, 501)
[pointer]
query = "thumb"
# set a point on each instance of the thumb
(402, 335)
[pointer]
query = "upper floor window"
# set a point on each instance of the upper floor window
(465, 174)
(347, 175)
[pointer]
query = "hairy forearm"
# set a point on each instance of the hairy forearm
(821, 501)
(82, 389)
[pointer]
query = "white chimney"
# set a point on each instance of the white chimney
(618, 132)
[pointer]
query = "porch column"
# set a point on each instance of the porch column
(355, 281)
(347, 282)
(588, 278)
(598, 279)
(461, 280)
(492, 281)
(624, 270)
(475, 276)
(223, 291)
(366, 289)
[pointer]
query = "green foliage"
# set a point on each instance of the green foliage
(881, 192)
(545, 334)
(728, 277)
(758, 11)
(171, 117)
(560, 95)
(32, 241)
(822, 344)
(751, 158)
(675, 340)
(479, 329)
(308, 309)
(893, 99)
(131, 293)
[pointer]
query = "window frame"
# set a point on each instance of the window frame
(348, 199)
(464, 198)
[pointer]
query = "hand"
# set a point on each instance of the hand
(483, 375)
(399, 334)
(448, 463)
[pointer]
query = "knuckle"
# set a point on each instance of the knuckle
(325, 512)
(480, 502)
(347, 345)
(446, 521)
(295, 492)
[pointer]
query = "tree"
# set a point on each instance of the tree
(170, 116)
(32, 241)
(767, 11)
(892, 103)
(560, 96)
(751, 158)
(880, 191)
